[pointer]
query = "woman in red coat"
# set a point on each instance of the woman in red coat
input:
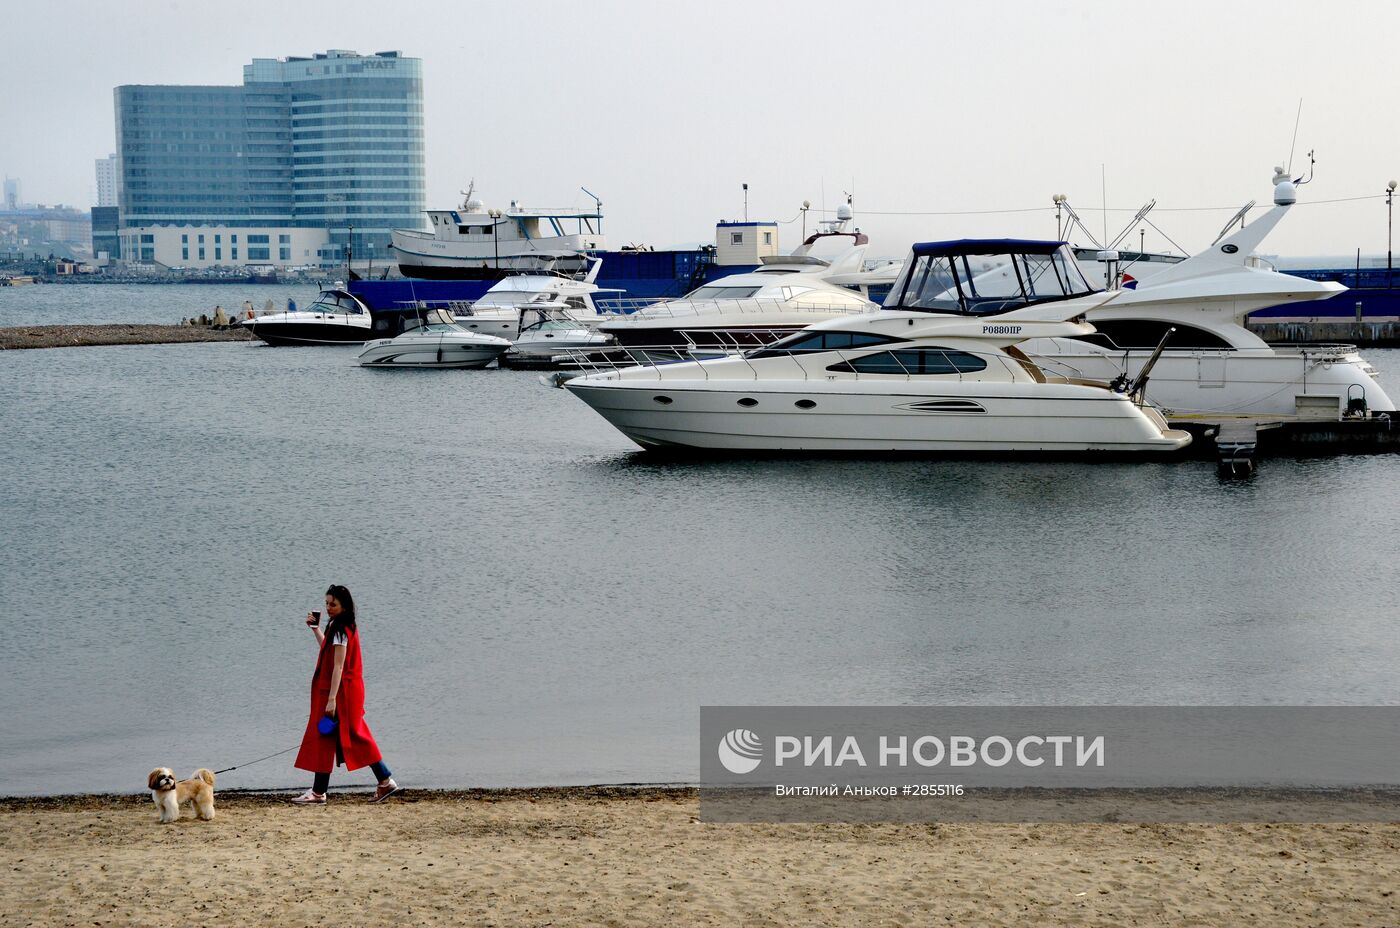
(338, 694)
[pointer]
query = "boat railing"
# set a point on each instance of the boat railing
(662, 360)
(679, 309)
(1322, 351)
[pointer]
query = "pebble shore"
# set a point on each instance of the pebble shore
(75, 336)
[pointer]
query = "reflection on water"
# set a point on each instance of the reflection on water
(542, 604)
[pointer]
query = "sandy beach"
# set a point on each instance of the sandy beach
(622, 857)
(77, 336)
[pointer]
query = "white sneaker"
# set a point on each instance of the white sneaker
(311, 798)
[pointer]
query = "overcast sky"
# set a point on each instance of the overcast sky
(665, 109)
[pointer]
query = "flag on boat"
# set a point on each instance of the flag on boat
(1129, 282)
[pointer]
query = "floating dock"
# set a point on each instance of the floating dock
(1237, 442)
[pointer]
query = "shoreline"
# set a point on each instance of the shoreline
(575, 856)
(118, 333)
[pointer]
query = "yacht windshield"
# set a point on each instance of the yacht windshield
(328, 302)
(985, 277)
(722, 293)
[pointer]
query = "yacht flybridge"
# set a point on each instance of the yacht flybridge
(938, 371)
(1212, 364)
(787, 293)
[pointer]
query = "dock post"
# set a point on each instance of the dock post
(1235, 447)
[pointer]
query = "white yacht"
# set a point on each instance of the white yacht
(476, 243)
(937, 372)
(337, 317)
(1212, 364)
(436, 341)
(785, 294)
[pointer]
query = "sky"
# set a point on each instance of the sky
(944, 119)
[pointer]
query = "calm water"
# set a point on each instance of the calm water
(540, 604)
(63, 304)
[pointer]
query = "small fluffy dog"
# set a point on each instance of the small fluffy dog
(169, 795)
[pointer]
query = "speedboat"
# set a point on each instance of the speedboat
(436, 342)
(785, 294)
(337, 317)
(938, 371)
(476, 243)
(1212, 364)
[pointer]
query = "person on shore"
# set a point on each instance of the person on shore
(220, 320)
(248, 309)
(336, 733)
(291, 305)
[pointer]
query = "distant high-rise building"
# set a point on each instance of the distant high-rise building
(326, 143)
(107, 181)
(12, 200)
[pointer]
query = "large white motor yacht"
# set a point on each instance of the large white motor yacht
(1212, 364)
(788, 293)
(337, 317)
(435, 342)
(476, 243)
(938, 371)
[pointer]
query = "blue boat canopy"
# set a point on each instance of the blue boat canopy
(986, 276)
(981, 246)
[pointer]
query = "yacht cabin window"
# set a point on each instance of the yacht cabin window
(979, 277)
(913, 361)
(1146, 334)
(722, 293)
(806, 342)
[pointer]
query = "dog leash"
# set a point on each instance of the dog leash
(258, 761)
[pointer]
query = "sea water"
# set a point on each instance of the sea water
(540, 603)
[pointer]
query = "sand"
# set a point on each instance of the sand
(641, 857)
(76, 336)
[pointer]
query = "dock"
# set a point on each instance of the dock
(1237, 442)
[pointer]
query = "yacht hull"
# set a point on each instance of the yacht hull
(288, 334)
(875, 417)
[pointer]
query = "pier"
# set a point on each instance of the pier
(75, 336)
(1237, 442)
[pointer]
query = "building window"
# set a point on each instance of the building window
(184, 240)
(184, 252)
(218, 252)
(201, 239)
(234, 256)
(148, 240)
(258, 240)
(201, 252)
(233, 239)
(284, 253)
(258, 254)
(218, 239)
(284, 239)
(767, 238)
(736, 238)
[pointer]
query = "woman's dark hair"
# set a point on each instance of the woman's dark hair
(345, 622)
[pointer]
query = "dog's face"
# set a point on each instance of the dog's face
(161, 778)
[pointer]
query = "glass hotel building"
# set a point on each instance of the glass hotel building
(278, 170)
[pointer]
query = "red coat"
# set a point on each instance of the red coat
(351, 743)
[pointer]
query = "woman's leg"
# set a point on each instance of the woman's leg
(321, 783)
(381, 770)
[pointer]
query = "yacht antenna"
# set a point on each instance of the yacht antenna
(1103, 191)
(599, 210)
(1293, 146)
(1238, 217)
(467, 194)
(1074, 220)
(1137, 217)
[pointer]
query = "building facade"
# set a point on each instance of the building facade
(200, 247)
(106, 233)
(333, 142)
(107, 181)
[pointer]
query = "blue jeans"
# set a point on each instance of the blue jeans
(323, 780)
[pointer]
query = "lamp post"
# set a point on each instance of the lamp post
(495, 215)
(1059, 201)
(806, 205)
(1389, 226)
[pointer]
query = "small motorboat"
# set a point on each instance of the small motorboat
(338, 317)
(552, 341)
(437, 342)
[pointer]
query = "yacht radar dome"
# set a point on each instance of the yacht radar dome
(474, 206)
(844, 213)
(1285, 193)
